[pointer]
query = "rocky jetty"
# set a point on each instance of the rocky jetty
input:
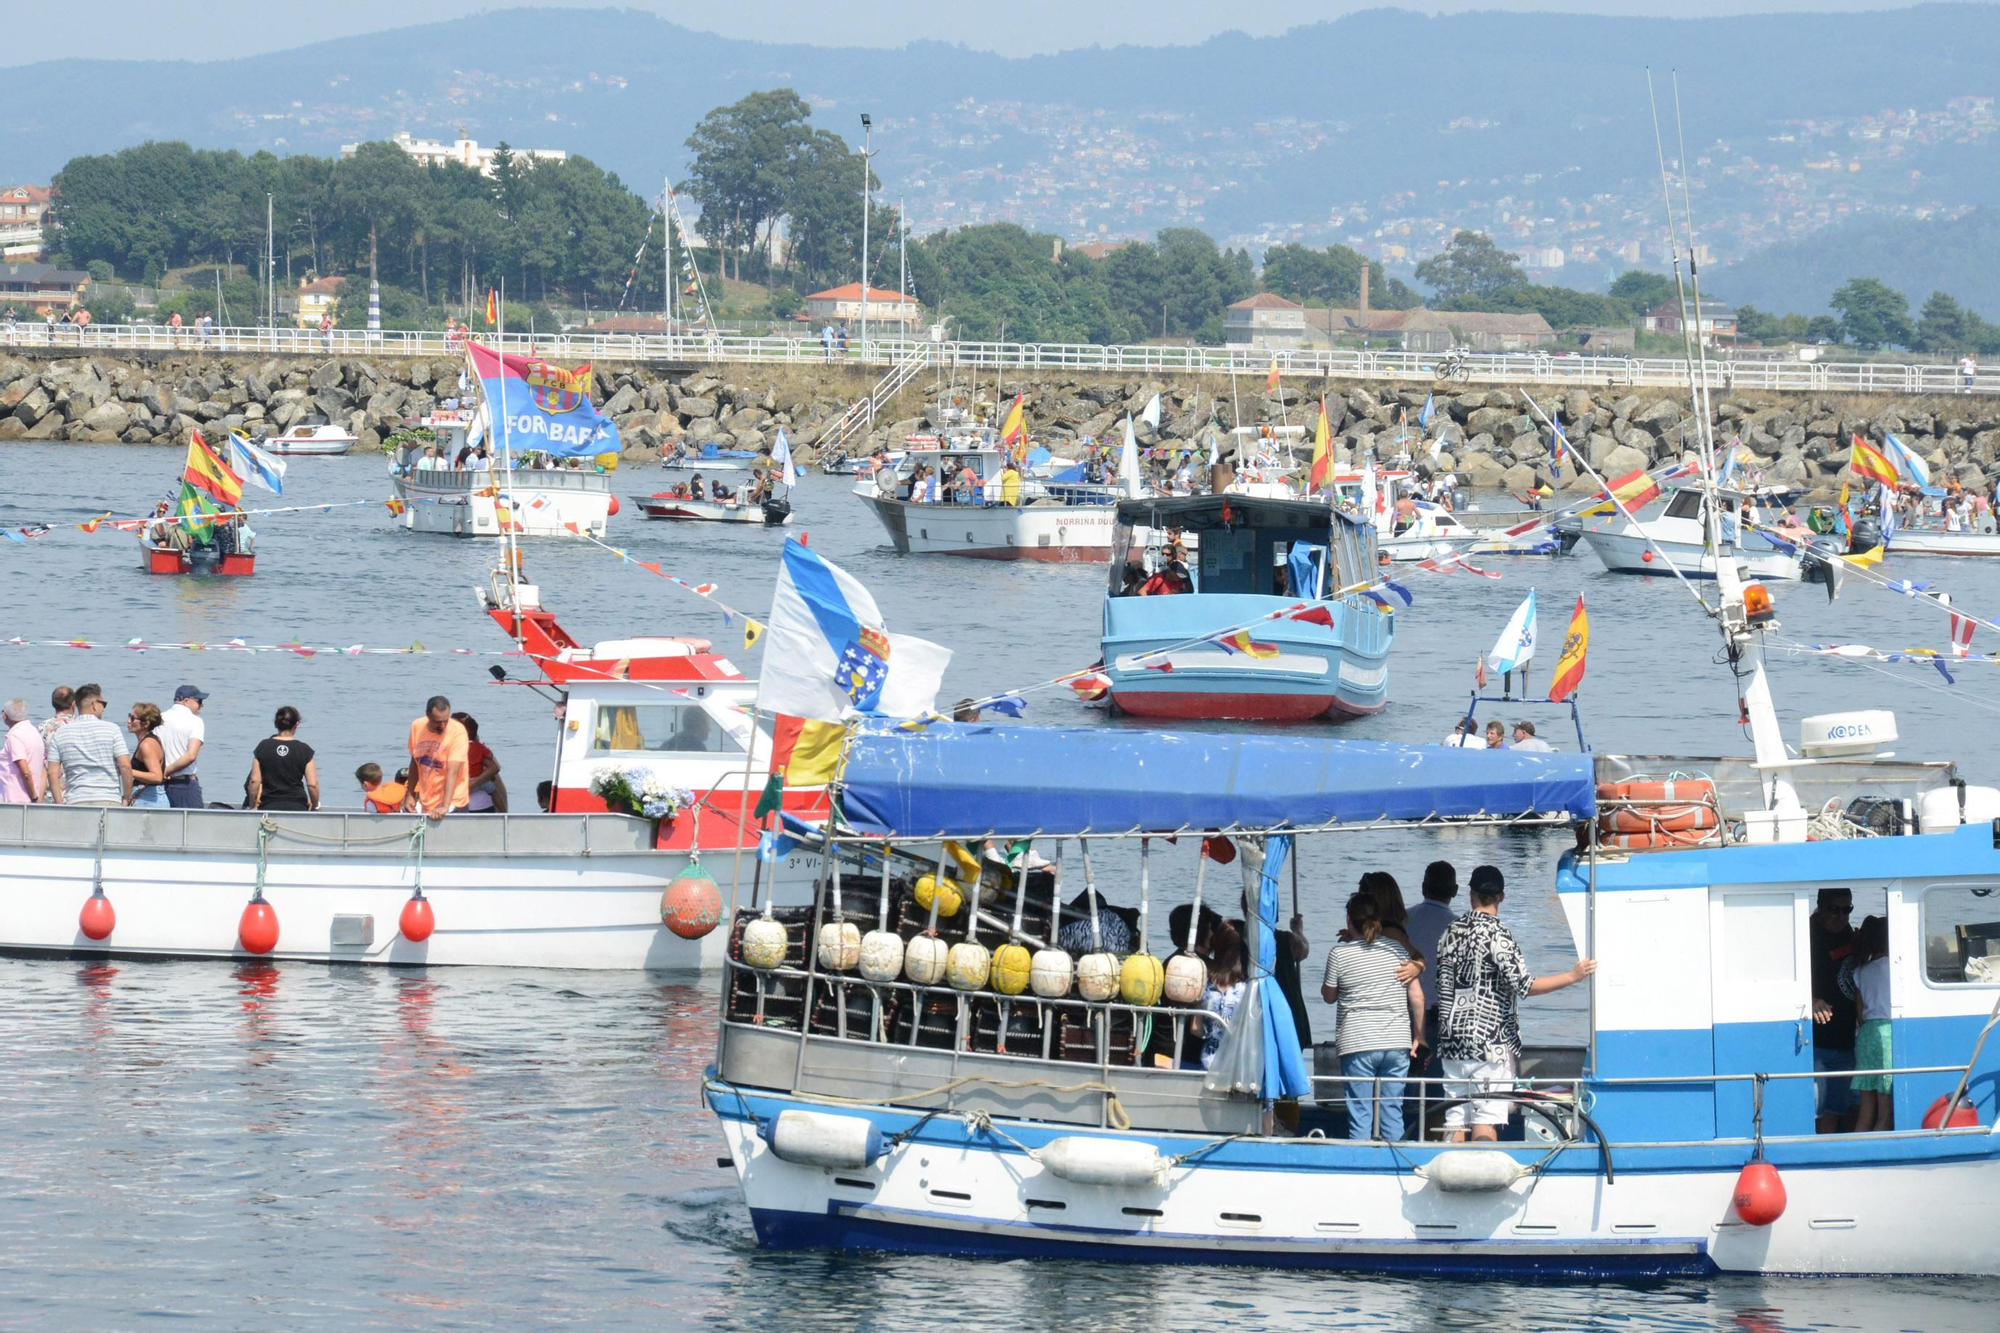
(1488, 435)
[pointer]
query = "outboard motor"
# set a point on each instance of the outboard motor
(1866, 536)
(776, 510)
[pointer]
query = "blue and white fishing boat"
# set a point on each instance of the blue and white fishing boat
(1256, 627)
(937, 1087)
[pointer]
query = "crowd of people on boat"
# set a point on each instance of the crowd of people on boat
(1423, 991)
(76, 756)
(716, 490)
(420, 456)
(1467, 735)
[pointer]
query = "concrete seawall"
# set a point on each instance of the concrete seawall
(1488, 435)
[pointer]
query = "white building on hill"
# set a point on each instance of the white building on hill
(466, 152)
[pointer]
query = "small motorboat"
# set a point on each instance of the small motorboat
(320, 439)
(711, 458)
(677, 504)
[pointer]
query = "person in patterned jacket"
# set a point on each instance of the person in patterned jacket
(1481, 977)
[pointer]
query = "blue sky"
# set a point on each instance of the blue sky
(216, 29)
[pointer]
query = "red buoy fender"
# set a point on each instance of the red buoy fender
(1760, 1194)
(417, 921)
(257, 929)
(692, 904)
(97, 919)
(1962, 1115)
(614, 504)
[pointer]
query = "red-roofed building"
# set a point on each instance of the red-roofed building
(1265, 321)
(842, 305)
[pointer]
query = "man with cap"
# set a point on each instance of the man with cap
(181, 732)
(1526, 739)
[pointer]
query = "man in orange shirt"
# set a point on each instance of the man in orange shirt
(439, 777)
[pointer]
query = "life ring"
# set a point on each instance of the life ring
(1698, 790)
(1642, 841)
(1659, 819)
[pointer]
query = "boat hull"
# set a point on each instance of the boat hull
(704, 511)
(542, 504)
(1630, 553)
(1361, 1207)
(1924, 541)
(560, 891)
(1065, 534)
(1160, 665)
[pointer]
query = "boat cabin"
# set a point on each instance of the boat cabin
(1240, 544)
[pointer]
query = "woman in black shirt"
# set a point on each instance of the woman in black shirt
(282, 773)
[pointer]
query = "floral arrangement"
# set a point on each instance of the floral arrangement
(640, 791)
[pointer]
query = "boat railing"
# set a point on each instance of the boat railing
(460, 479)
(321, 833)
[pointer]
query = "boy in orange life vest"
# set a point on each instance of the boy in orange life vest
(379, 797)
(439, 748)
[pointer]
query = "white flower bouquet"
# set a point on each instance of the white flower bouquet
(640, 791)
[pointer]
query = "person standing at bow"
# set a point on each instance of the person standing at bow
(439, 749)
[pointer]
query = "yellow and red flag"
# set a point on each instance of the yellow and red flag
(396, 506)
(1241, 642)
(205, 471)
(1870, 462)
(1271, 380)
(93, 524)
(492, 307)
(1569, 667)
(1631, 490)
(1320, 475)
(1015, 427)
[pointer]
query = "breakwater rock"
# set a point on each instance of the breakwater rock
(1488, 435)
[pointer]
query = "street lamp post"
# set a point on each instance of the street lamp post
(867, 136)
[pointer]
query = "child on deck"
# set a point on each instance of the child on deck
(1864, 978)
(379, 797)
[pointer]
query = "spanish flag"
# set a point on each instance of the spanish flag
(1320, 475)
(1241, 642)
(1569, 667)
(1271, 380)
(1015, 427)
(1632, 490)
(1870, 462)
(492, 307)
(206, 471)
(92, 525)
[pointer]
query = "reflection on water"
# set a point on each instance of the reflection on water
(290, 1144)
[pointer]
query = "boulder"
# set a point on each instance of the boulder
(108, 418)
(1790, 469)
(625, 400)
(1519, 477)
(326, 376)
(1625, 406)
(1487, 420)
(1662, 413)
(698, 406)
(1481, 471)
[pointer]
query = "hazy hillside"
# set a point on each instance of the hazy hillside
(1239, 135)
(1916, 258)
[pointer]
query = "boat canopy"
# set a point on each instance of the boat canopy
(972, 778)
(1229, 512)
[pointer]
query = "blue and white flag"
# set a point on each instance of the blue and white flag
(1914, 469)
(827, 655)
(1515, 647)
(253, 464)
(1887, 500)
(781, 459)
(1424, 417)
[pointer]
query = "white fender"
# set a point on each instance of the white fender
(1085, 1161)
(814, 1138)
(1472, 1170)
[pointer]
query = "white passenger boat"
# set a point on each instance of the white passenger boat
(579, 887)
(675, 505)
(309, 440)
(1675, 536)
(1068, 522)
(1927, 540)
(956, 1082)
(529, 501)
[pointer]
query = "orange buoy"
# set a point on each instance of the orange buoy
(614, 505)
(1962, 1115)
(692, 904)
(1760, 1194)
(1659, 819)
(417, 921)
(1647, 556)
(97, 919)
(257, 929)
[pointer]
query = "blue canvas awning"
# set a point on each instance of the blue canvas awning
(1015, 780)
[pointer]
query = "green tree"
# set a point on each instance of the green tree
(744, 155)
(1943, 325)
(1643, 291)
(1471, 267)
(1754, 325)
(1872, 314)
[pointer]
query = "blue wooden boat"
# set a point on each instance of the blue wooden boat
(1189, 570)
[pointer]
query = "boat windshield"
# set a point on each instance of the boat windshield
(1685, 504)
(653, 728)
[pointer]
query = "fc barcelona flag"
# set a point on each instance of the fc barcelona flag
(546, 408)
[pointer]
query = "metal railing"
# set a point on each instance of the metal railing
(1417, 369)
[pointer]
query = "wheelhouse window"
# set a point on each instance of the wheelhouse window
(657, 728)
(1962, 934)
(1685, 504)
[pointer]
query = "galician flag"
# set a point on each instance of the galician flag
(1913, 468)
(546, 407)
(1569, 667)
(1515, 647)
(267, 470)
(827, 655)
